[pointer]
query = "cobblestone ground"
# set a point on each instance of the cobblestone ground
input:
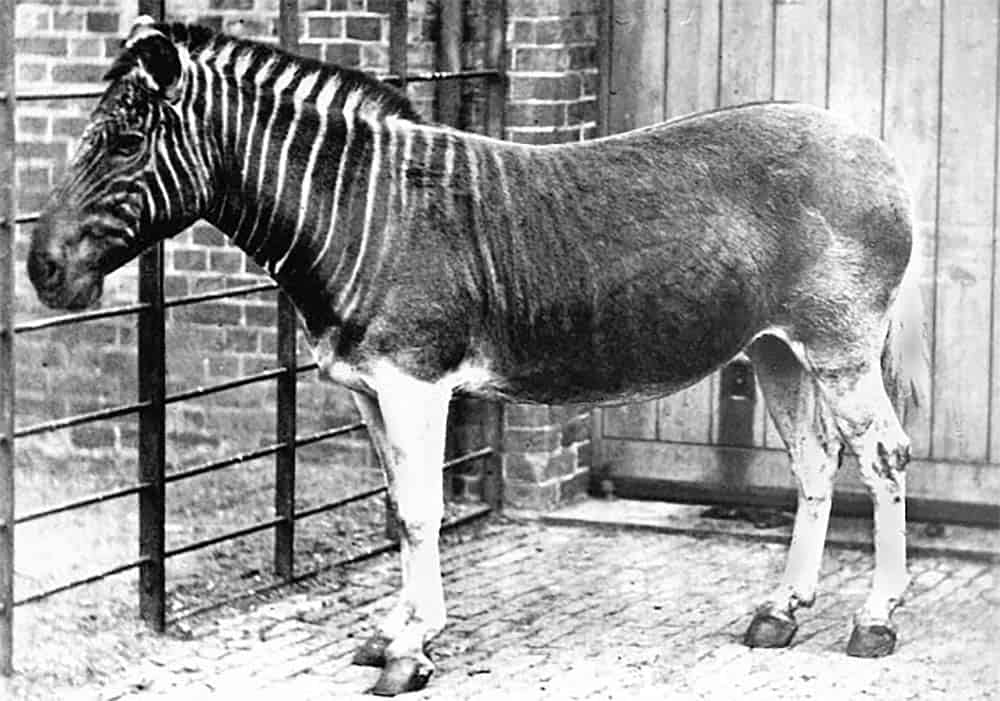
(549, 612)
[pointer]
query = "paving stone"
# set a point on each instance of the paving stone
(559, 612)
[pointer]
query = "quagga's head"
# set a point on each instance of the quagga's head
(137, 176)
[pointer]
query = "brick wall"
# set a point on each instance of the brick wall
(68, 44)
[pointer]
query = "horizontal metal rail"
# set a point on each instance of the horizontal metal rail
(219, 294)
(231, 535)
(90, 579)
(64, 95)
(315, 572)
(129, 490)
(241, 532)
(93, 315)
(261, 452)
(77, 419)
(90, 500)
(436, 76)
(425, 77)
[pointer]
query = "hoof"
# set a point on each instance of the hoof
(872, 640)
(372, 653)
(770, 627)
(403, 674)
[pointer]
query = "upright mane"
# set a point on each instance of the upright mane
(198, 39)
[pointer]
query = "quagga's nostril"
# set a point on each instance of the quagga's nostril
(44, 271)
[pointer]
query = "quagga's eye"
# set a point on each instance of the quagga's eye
(127, 144)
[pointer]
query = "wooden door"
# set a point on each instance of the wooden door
(922, 75)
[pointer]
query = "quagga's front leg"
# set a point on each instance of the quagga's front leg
(407, 426)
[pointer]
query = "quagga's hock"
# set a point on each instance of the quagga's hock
(425, 261)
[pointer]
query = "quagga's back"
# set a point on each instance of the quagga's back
(425, 261)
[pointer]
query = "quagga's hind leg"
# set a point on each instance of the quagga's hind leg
(854, 388)
(407, 426)
(807, 428)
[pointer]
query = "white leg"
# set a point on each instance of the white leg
(807, 428)
(409, 430)
(867, 420)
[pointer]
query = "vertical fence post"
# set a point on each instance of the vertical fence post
(152, 440)
(152, 422)
(285, 421)
(398, 27)
(7, 229)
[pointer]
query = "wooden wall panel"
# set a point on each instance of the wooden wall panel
(965, 234)
(856, 72)
(747, 52)
(638, 64)
(800, 50)
(692, 56)
(691, 86)
(912, 94)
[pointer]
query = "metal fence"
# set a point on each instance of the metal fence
(150, 310)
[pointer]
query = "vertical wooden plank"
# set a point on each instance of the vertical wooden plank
(7, 229)
(448, 59)
(691, 86)
(855, 66)
(496, 19)
(692, 57)
(910, 126)
(636, 420)
(605, 39)
(638, 64)
(995, 329)
(746, 74)
(800, 50)
(747, 52)
(965, 232)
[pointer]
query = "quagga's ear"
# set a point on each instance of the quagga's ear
(157, 59)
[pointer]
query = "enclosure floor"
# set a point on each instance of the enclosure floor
(545, 611)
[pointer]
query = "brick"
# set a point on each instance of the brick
(31, 73)
(214, 313)
(190, 260)
(536, 114)
(523, 468)
(582, 57)
(576, 430)
(526, 495)
(102, 22)
(68, 20)
(175, 285)
(363, 28)
(530, 440)
(79, 73)
(32, 18)
(534, 87)
(230, 4)
(544, 136)
(521, 32)
(224, 261)
(325, 27)
(585, 111)
(537, 58)
(560, 465)
(86, 48)
(261, 315)
(311, 6)
(49, 46)
(347, 54)
(526, 415)
(69, 126)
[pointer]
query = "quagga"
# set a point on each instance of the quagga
(425, 261)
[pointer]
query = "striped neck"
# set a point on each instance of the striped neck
(308, 158)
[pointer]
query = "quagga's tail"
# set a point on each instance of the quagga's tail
(906, 357)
